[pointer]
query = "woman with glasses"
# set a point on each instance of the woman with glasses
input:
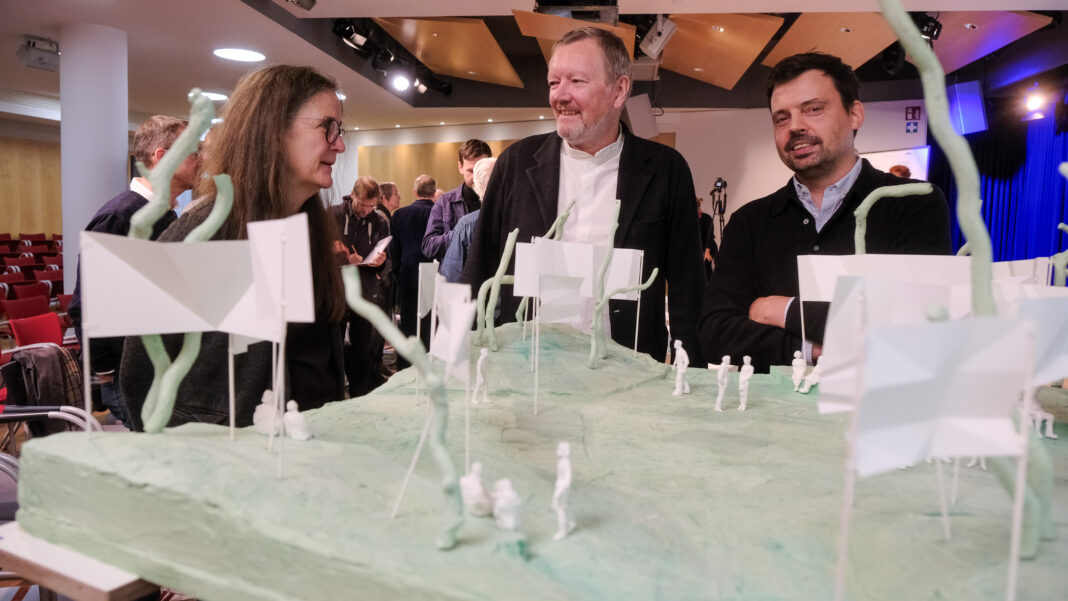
(278, 141)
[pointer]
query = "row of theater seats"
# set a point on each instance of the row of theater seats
(31, 265)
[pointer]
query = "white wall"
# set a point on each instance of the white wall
(735, 144)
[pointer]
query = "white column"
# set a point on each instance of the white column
(94, 127)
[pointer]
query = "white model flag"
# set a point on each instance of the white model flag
(945, 389)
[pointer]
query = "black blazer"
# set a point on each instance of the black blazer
(657, 215)
(758, 257)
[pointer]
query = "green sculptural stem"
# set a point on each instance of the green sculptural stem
(556, 231)
(1060, 260)
(956, 148)
(167, 376)
(964, 250)
(412, 350)
(597, 343)
(861, 214)
(486, 313)
(599, 350)
(971, 223)
(159, 178)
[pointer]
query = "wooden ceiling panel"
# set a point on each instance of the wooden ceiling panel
(718, 49)
(968, 36)
(457, 47)
(552, 28)
(853, 37)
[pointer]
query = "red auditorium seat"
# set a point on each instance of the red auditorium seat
(32, 237)
(28, 289)
(37, 329)
(25, 307)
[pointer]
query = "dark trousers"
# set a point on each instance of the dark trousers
(409, 305)
(361, 365)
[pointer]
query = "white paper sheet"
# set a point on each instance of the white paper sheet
(817, 273)
(427, 273)
(941, 390)
(560, 301)
(265, 238)
(380, 247)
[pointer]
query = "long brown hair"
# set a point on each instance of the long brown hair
(249, 145)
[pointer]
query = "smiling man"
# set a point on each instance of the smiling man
(592, 159)
(750, 306)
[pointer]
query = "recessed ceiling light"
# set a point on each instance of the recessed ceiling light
(239, 54)
(340, 95)
(489, 120)
(971, 26)
(717, 28)
(472, 73)
(355, 129)
(699, 69)
(442, 123)
(435, 34)
(541, 116)
(397, 125)
(215, 96)
(844, 29)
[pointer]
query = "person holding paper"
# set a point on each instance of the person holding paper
(151, 141)
(750, 305)
(593, 160)
(363, 232)
(278, 141)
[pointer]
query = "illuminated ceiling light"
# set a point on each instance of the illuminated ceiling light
(541, 116)
(400, 82)
(1034, 103)
(214, 96)
(718, 29)
(340, 95)
(239, 54)
(971, 26)
(845, 29)
(490, 120)
(397, 125)
(435, 34)
(442, 123)
(472, 73)
(699, 69)
(355, 129)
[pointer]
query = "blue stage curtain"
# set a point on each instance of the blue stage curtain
(1024, 196)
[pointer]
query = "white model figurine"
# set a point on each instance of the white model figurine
(477, 499)
(744, 374)
(480, 380)
(682, 361)
(505, 505)
(1037, 415)
(722, 377)
(296, 425)
(812, 378)
(564, 523)
(261, 417)
(799, 369)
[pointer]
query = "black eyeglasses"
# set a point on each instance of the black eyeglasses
(332, 127)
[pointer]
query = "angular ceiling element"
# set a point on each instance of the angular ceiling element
(718, 49)
(968, 36)
(457, 47)
(853, 37)
(549, 28)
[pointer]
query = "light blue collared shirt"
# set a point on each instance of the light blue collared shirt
(832, 196)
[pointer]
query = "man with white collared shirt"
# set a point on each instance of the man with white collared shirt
(593, 160)
(750, 305)
(151, 141)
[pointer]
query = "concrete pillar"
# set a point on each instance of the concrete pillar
(94, 127)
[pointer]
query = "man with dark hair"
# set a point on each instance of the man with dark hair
(750, 305)
(389, 199)
(409, 224)
(592, 160)
(151, 141)
(456, 203)
(362, 227)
